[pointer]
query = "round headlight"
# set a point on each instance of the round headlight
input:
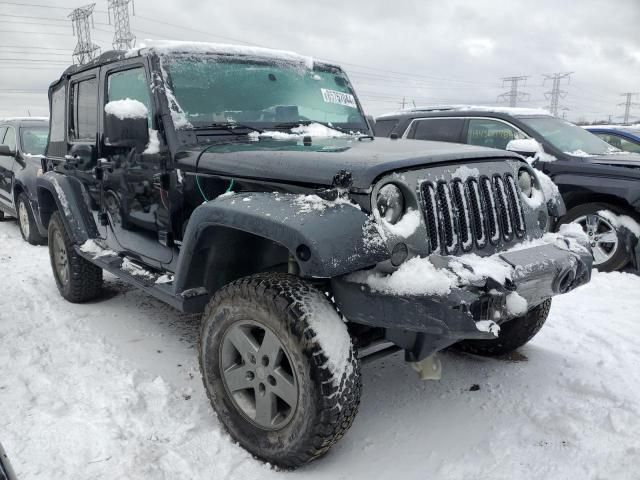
(525, 181)
(390, 203)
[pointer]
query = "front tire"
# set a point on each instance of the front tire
(607, 244)
(77, 279)
(513, 334)
(27, 222)
(258, 335)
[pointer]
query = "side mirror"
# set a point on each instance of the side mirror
(126, 124)
(6, 151)
(527, 147)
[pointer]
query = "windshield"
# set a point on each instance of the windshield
(568, 137)
(213, 89)
(34, 139)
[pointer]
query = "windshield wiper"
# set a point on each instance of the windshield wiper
(309, 122)
(229, 126)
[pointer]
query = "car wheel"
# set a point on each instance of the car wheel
(1, 216)
(274, 385)
(513, 333)
(27, 222)
(77, 279)
(607, 244)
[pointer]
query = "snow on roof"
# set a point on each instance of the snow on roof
(613, 127)
(470, 108)
(24, 119)
(173, 46)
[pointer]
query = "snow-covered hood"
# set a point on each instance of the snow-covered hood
(290, 161)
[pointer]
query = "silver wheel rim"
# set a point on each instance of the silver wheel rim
(602, 237)
(258, 375)
(60, 258)
(23, 217)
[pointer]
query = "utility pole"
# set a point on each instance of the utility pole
(628, 104)
(513, 95)
(85, 50)
(123, 39)
(555, 94)
(404, 100)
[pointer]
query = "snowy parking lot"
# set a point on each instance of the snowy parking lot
(111, 389)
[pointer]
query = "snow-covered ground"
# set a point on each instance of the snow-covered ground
(111, 390)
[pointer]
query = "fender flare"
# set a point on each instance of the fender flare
(623, 188)
(70, 200)
(339, 237)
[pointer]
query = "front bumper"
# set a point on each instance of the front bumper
(433, 322)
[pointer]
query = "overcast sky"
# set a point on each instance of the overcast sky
(427, 52)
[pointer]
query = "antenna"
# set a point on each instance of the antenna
(123, 39)
(85, 50)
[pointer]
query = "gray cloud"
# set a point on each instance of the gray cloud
(440, 52)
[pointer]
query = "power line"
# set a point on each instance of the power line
(513, 95)
(556, 93)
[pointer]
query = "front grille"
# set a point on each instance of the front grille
(459, 215)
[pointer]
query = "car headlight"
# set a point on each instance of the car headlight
(525, 181)
(390, 203)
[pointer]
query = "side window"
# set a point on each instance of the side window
(491, 133)
(131, 84)
(10, 138)
(83, 110)
(57, 115)
(620, 142)
(383, 128)
(438, 129)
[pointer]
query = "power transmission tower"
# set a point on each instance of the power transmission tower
(513, 95)
(85, 50)
(555, 94)
(628, 104)
(123, 39)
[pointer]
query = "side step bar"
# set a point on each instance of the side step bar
(189, 301)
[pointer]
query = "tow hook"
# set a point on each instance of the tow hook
(429, 368)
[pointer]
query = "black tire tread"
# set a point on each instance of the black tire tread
(513, 334)
(340, 405)
(85, 280)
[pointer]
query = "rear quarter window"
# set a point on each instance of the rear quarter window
(383, 128)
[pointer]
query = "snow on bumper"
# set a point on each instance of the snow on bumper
(481, 293)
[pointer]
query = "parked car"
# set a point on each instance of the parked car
(22, 144)
(227, 180)
(6, 472)
(622, 137)
(599, 185)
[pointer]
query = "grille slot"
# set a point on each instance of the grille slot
(448, 220)
(515, 206)
(460, 214)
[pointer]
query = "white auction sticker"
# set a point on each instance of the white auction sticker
(339, 98)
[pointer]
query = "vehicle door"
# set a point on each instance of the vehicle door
(135, 193)
(491, 132)
(438, 129)
(82, 153)
(7, 161)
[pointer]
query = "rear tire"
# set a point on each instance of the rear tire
(27, 222)
(77, 279)
(268, 306)
(613, 256)
(513, 334)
